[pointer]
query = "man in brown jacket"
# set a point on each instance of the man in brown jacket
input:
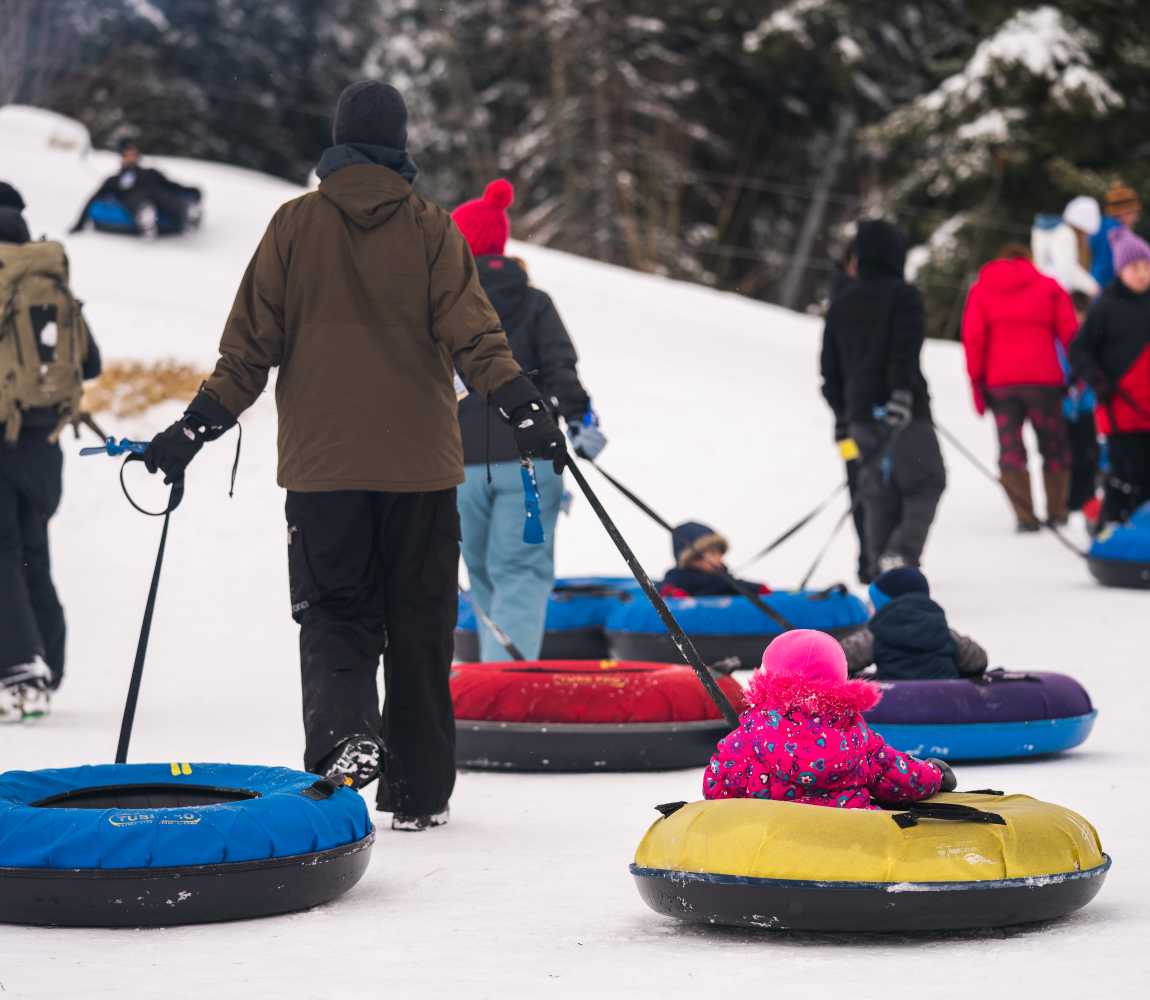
(365, 296)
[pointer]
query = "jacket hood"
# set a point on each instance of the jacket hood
(367, 183)
(502, 278)
(833, 699)
(881, 249)
(912, 622)
(1009, 274)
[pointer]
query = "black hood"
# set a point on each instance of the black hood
(913, 640)
(881, 249)
(13, 228)
(352, 153)
(504, 281)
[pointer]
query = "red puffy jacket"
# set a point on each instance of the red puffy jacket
(1014, 315)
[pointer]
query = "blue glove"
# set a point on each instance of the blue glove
(587, 440)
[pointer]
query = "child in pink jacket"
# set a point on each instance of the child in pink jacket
(803, 738)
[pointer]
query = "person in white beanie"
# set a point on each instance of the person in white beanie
(1058, 244)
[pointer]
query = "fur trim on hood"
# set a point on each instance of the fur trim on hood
(784, 692)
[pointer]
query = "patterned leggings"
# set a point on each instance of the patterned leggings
(1042, 406)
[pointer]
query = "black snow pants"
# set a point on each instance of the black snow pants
(1128, 480)
(1084, 458)
(859, 517)
(376, 574)
(31, 619)
(901, 484)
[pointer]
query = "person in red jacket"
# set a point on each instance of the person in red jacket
(1112, 354)
(1016, 329)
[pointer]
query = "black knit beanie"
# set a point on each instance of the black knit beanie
(10, 197)
(371, 113)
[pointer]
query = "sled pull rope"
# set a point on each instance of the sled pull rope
(686, 648)
(739, 587)
(977, 463)
(177, 494)
(501, 636)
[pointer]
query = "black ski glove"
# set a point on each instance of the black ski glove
(171, 450)
(949, 781)
(899, 409)
(536, 433)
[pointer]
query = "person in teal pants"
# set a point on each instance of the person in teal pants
(511, 580)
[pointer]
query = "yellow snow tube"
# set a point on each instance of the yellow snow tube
(1002, 859)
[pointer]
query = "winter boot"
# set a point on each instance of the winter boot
(35, 701)
(355, 762)
(1016, 483)
(11, 699)
(1057, 485)
(417, 824)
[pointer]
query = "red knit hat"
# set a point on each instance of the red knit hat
(484, 221)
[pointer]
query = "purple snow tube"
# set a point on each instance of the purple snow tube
(998, 715)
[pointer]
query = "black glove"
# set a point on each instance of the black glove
(899, 409)
(536, 433)
(949, 781)
(171, 450)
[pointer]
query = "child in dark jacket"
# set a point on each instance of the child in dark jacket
(699, 569)
(803, 739)
(909, 638)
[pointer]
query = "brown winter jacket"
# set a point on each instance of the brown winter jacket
(363, 295)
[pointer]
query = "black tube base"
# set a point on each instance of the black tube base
(577, 644)
(1118, 573)
(864, 907)
(644, 746)
(163, 897)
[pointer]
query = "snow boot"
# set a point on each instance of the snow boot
(35, 701)
(1057, 485)
(11, 699)
(890, 560)
(1016, 483)
(355, 762)
(417, 824)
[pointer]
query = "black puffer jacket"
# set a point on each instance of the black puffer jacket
(874, 332)
(912, 641)
(542, 347)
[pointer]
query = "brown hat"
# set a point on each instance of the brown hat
(1121, 198)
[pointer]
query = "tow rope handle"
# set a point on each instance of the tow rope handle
(114, 448)
(532, 505)
(952, 811)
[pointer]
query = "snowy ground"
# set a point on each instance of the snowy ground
(712, 405)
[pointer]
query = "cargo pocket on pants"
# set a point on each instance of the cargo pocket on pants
(302, 585)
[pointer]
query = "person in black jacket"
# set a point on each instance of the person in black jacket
(148, 194)
(873, 382)
(908, 639)
(1112, 354)
(511, 580)
(32, 628)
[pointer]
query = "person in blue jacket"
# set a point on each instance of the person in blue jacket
(909, 637)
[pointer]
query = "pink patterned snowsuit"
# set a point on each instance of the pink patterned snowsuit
(803, 738)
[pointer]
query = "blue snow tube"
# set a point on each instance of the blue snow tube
(1120, 555)
(577, 613)
(728, 628)
(116, 845)
(998, 716)
(108, 215)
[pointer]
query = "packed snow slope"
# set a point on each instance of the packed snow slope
(712, 405)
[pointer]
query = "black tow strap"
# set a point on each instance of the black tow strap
(174, 498)
(951, 811)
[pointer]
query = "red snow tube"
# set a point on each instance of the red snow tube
(585, 715)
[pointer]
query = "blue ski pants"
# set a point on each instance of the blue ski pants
(510, 580)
